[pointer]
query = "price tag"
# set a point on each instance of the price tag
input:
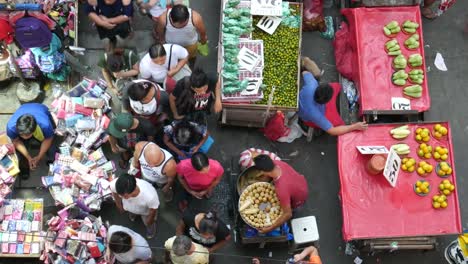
(248, 59)
(266, 7)
(253, 86)
(269, 24)
(400, 103)
(372, 149)
(392, 167)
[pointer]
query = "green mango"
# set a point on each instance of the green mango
(399, 82)
(392, 24)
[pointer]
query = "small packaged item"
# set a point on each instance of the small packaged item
(6, 237)
(13, 238)
(5, 248)
(21, 236)
(35, 226)
(94, 249)
(85, 124)
(94, 103)
(12, 248)
(8, 209)
(35, 248)
(27, 248)
(77, 154)
(28, 238)
(19, 249)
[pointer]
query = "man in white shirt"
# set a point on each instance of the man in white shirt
(182, 250)
(163, 61)
(138, 197)
(127, 246)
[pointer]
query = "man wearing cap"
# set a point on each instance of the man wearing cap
(181, 250)
(125, 130)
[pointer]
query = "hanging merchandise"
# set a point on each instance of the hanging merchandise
(31, 32)
(6, 31)
(51, 61)
(81, 172)
(64, 14)
(27, 65)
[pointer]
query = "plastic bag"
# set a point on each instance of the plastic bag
(330, 32)
(275, 128)
(313, 16)
(343, 52)
(233, 3)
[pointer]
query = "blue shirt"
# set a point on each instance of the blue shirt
(110, 11)
(309, 110)
(40, 112)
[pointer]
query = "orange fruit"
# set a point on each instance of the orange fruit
(443, 131)
(436, 205)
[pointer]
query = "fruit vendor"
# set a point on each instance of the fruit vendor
(198, 95)
(290, 186)
(112, 19)
(314, 99)
(30, 125)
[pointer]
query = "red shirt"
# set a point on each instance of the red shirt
(291, 187)
(197, 180)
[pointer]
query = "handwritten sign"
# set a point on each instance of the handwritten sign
(269, 24)
(266, 7)
(248, 59)
(392, 167)
(365, 150)
(253, 86)
(400, 103)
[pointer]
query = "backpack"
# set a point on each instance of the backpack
(6, 31)
(27, 65)
(50, 63)
(31, 32)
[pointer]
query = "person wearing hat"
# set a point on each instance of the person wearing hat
(122, 138)
(180, 249)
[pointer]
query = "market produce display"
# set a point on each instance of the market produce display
(424, 168)
(236, 22)
(392, 47)
(439, 201)
(425, 151)
(410, 27)
(444, 169)
(415, 60)
(439, 131)
(416, 76)
(401, 149)
(422, 135)
(251, 177)
(391, 29)
(413, 91)
(281, 58)
(422, 187)
(399, 62)
(259, 205)
(446, 187)
(399, 78)
(401, 132)
(407, 164)
(412, 42)
(440, 153)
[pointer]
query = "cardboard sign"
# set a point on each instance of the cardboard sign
(269, 24)
(253, 86)
(372, 149)
(248, 59)
(400, 103)
(266, 7)
(392, 167)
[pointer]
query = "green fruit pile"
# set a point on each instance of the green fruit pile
(281, 53)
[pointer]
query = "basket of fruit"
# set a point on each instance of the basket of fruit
(259, 206)
(425, 151)
(439, 131)
(422, 135)
(422, 188)
(443, 169)
(408, 164)
(424, 169)
(439, 201)
(440, 153)
(446, 187)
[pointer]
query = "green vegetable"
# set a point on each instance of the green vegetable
(391, 43)
(387, 31)
(413, 89)
(394, 53)
(409, 24)
(400, 82)
(392, 25)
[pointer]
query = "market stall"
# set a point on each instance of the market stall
(21, 228)
(81, 172)
(406, 216)
(9, 168)
(260, 70)
(374, 68)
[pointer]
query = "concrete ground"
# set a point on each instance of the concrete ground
(316, 160)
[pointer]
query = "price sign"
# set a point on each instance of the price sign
(266, 7)
(248, 59)
(400, 103)
(372, 149)
(392, 167)
(253, 86)
(269, 24)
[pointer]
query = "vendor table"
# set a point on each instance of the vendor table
(372, 209)
(373, 70)
(243, 113)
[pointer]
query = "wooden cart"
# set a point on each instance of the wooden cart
(254, 115)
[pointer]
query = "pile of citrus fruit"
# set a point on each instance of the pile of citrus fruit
(424, 168)
(407, 164)
(441, 153)
(444, 169)
(439, 201)
(425, 151)
(446, 187)
(422, 188)
(439, 131)
(422, 135)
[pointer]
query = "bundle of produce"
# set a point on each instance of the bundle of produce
(416, 76)
(392, 47)
(410, 27)
(391, 29)
(415, 60)
(412, 42)
(399, 78)
(413, 91)
(399, 62)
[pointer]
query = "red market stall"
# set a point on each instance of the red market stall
(373, 67)
(373, 209)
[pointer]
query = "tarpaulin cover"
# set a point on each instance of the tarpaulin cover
(372, 208)
(373, 67)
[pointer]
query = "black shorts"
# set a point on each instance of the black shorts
(122, 30)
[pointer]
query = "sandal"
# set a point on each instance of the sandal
(428, 13)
